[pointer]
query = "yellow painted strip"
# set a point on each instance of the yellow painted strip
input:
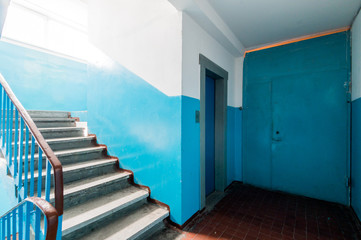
(307, 37)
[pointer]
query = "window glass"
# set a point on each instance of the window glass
(57, 25)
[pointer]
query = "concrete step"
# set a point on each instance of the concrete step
(131, 225)
(59, 132)
(71, 156)
(48, 114)
(58, 144)
(79, 171)
(80, 220)
(78, 192)
(49, 122)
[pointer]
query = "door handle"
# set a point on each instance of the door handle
(277, 139)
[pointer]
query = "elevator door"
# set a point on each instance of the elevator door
(210, 133)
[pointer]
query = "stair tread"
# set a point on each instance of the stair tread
(83, 214)
(79, 165)
(59, 129)
(37, 119)
(47, 111)
(79, 150)
(71, 151)
(69, 139)
(132, 225)
(76, 186)
(55, 129)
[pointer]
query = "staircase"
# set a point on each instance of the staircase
(100, 200)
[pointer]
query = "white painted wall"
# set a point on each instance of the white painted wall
(197, 41)
(143, 36)
(356, 58)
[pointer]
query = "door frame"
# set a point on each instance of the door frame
(220, 76)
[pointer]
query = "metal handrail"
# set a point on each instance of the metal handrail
(54, 161)
(9, 225)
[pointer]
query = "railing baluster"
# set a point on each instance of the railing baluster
(47, 185)
(47, 180)
(28, 208)
(21, 219)
(16, 142)
(3, 120)
(32, 166)
(14, 224)
(40, 168)
(8, 226)
(1, 110)
(2, 234)
(3, 229)
(11, 133)
(37, 223)
(7, 127)
(60, 224)
(26, 162)
(21, 151)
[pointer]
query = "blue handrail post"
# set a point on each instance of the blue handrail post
(16, 138)
(21, 219)
(32, 168)
(20, 171)
(11, 133)
(26, 163)
(7, 126)
(60, 223)
(3, 120)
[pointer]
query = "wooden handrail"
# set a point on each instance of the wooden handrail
(54, 161)
(49, 212)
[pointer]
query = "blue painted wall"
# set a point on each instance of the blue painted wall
(44, 81)
(298, 90)
(190, 158)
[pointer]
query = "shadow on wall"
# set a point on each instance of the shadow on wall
(141, 126)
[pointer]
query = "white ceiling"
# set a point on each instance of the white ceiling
(259, 22)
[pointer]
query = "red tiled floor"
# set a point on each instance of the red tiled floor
(252, 213)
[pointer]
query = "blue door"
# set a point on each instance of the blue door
(210, 147)
(296, 118)
(309, 137)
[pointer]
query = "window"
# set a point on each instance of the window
(56, 25)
